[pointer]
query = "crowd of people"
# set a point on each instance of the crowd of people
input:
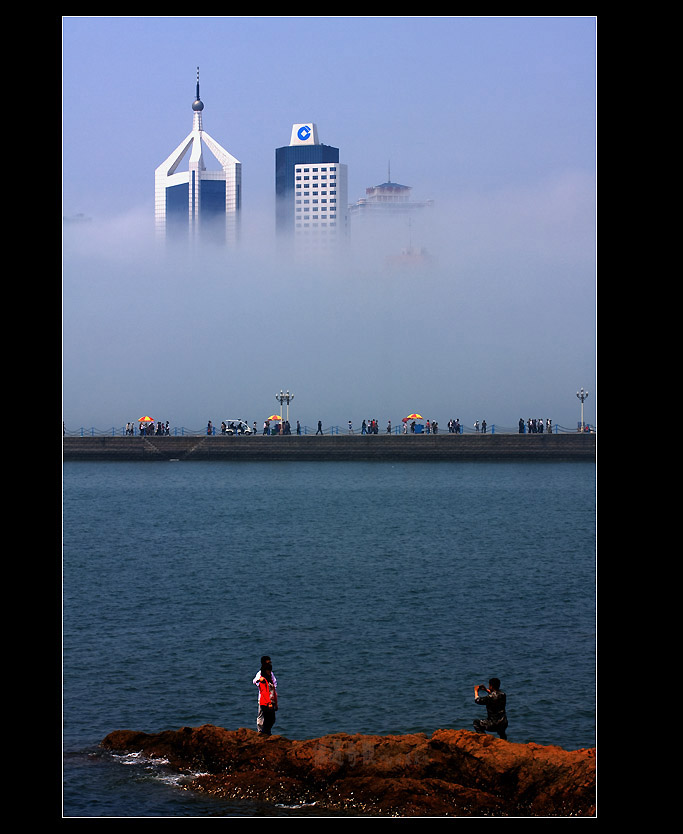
(535, 426)
(371, 426)
(148, 427)
(279, 427)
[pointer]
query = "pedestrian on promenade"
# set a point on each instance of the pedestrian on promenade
(320, 427)
(496, 719)
(266, 682)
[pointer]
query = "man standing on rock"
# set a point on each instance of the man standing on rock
(494, 701)
(266, 682)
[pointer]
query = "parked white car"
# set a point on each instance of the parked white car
(236, 427)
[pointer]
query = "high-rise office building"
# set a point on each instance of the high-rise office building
(311, 192)
(198, 204)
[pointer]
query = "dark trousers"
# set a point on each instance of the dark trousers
(483, 725)
(265, 719)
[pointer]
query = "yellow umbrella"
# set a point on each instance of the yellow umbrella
(275, 417)
(146, 420)
(414, 417)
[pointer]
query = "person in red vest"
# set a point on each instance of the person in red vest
(266, 682)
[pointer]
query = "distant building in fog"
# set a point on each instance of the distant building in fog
(387, 218)
(311, 192)
(388, 198)
(197, 203)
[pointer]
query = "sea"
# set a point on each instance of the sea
(382, 591)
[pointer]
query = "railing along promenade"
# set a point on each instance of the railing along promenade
(499, 446)
(183, 431)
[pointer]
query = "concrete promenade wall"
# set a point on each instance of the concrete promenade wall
(439, 447)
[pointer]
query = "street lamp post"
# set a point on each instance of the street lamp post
(284, 398)
(582, 395)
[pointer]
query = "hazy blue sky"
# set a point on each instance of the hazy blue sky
(494, 118)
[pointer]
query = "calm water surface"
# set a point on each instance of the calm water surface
(382, 591)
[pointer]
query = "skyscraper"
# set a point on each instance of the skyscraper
(310, 192)
(198, 204)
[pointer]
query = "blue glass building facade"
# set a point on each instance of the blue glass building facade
(286, 160)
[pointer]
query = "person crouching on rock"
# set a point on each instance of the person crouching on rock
(267, 696)
(494, 701)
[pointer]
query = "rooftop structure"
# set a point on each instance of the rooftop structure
(387, 198)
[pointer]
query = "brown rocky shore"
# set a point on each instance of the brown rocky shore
(450, 773)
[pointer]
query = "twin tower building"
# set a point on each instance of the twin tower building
(196, 203)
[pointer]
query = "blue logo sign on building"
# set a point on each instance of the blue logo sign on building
(304, 134)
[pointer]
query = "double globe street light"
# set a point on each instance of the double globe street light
(284, 398)
(582, 395)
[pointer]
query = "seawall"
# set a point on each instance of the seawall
(435, 447)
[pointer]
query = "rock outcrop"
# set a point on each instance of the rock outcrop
(452, 773)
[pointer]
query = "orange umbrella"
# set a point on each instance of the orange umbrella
(146, 420)
(414, 417)
(275, 417)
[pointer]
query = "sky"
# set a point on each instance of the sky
(492, 118)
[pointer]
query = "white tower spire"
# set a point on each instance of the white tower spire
(197, 107)
(198, 201)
